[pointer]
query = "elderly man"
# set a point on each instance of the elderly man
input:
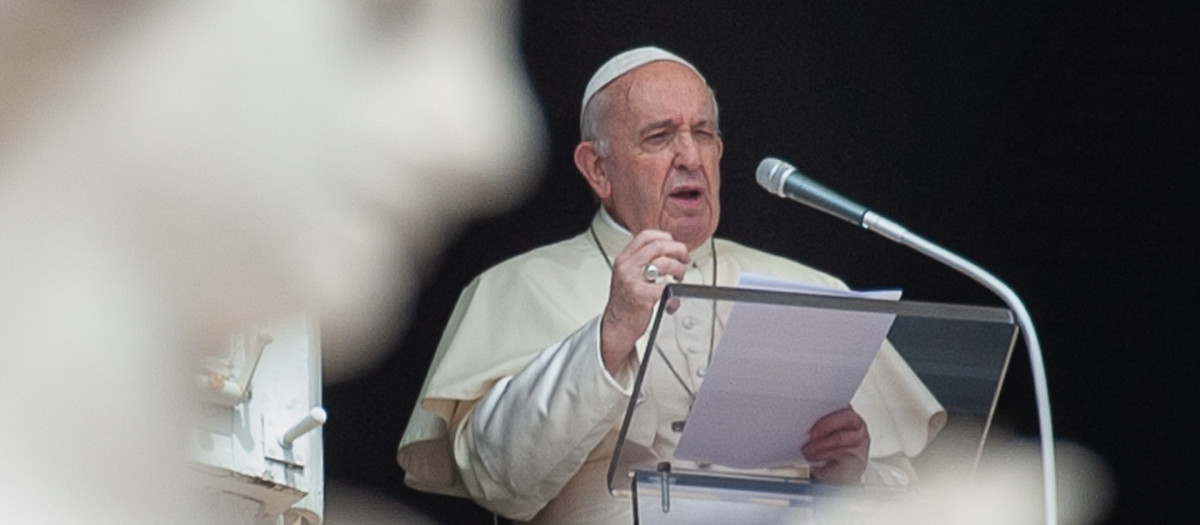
(534, 371)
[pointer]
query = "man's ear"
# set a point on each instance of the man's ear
(588, 160)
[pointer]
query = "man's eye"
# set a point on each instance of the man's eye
(704, 136)
(657, 139)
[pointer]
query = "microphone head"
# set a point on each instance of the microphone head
(771, 174)
(782, 179)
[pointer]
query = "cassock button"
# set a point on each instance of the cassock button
(693, 349)
(701, 371)
(689, 323)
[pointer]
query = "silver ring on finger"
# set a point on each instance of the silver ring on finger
(652, 273)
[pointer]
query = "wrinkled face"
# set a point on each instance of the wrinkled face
(662, 171)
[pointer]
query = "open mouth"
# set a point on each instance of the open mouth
(687, 194)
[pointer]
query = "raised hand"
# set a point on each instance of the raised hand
(632, 293)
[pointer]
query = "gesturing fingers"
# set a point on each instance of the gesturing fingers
(652, 255)
(641, 270)
(633, 293)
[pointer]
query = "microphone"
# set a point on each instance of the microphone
(782, 179)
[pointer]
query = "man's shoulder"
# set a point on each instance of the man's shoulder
(565, 276)
(748, 259)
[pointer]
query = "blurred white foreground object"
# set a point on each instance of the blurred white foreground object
(172, 172)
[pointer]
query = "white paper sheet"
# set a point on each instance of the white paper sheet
(775, 372)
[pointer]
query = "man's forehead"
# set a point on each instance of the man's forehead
(663, 91)
(667, 76)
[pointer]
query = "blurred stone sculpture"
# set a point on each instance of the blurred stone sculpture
(171, 171)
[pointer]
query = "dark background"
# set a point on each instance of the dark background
(1052, 142)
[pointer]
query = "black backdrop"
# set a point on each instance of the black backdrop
(1052, 142)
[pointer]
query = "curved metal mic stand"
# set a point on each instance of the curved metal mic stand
(782, 179)
(897, 233)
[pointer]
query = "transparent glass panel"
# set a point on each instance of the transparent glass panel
(692, 499)
(958, 352)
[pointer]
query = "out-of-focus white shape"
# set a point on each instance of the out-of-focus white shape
(1006, 490)
(174, 170)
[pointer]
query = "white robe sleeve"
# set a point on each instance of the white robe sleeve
(529, 435)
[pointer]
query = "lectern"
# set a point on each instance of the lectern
(959, 352)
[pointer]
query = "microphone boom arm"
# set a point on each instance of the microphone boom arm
(782, 179)
(890, 230)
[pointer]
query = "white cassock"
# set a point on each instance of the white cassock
(519, 414)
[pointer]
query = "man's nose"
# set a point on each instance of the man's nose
(687, 151)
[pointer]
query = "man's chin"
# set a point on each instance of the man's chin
(692, 231)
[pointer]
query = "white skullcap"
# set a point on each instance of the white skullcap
(624, 63)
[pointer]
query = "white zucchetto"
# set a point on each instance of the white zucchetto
(624, 63)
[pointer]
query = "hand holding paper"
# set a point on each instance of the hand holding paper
(777, 371)
(837, 447)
